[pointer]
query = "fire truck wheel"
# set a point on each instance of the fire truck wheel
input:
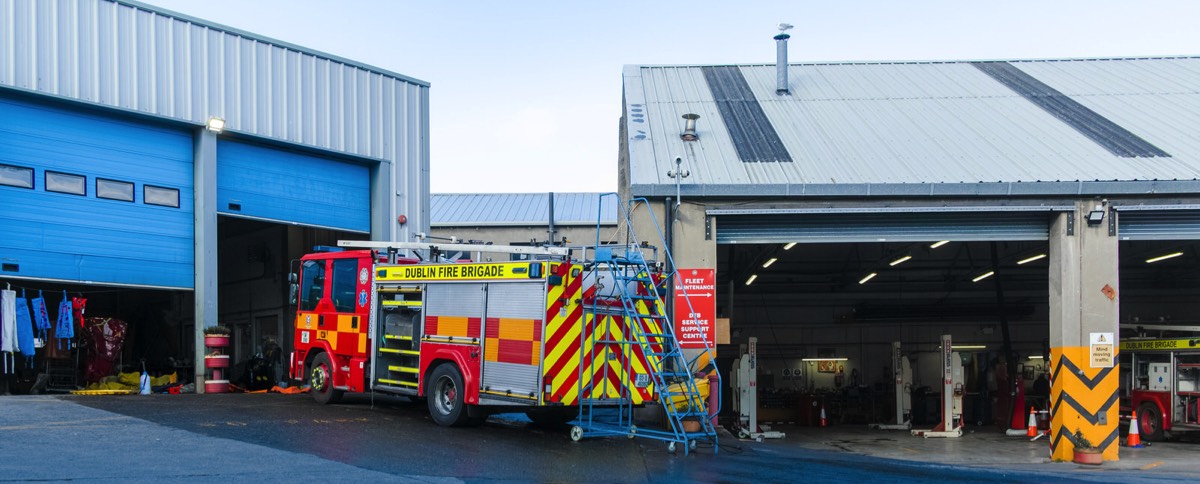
(445, 396)
(1150, 422)
(320, 378)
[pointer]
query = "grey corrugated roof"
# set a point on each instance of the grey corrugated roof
(504, 209)
(920, 128)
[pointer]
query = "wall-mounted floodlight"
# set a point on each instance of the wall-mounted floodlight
(789, 246)
(1163, 257)
(770, 261)
(938, 244)
(1031, 259)
(983, 276)
(1095, 216)
(751, 279)
(215, 124)
(867, 278)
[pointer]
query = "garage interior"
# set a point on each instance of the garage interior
(852, 300)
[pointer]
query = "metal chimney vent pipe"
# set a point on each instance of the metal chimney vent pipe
(689, 127)
(781, 62)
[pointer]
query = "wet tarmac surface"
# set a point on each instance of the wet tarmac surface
(275, 437)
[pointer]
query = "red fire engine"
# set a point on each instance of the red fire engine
(1163, 385)
(472, 338)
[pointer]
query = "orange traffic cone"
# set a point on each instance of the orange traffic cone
(1135, 438)
(822, 415)
(1031, 430)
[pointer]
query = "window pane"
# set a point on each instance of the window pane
(312, 284)
(65, 183)
(16, 176)
(114, 190)
(167, 197)
(344, 284)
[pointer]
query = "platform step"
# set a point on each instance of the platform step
(403, 369)
(412, 384)
(395, 337)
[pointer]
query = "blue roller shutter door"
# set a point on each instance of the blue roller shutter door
(272, 184)
(88, 238)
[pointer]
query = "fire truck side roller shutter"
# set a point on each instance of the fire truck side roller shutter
(513, 339)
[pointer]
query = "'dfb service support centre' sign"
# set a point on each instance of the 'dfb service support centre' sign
(695, 323)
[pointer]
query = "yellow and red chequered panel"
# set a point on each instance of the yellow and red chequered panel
(511, 340)
(456, 326)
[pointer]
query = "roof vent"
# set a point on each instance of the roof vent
(781, 63)
(689, 127)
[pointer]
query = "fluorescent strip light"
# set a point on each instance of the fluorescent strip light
(823, 359)
(1037, 357)
(769, 262)
(983, 276)
(751, 279)
(966, 347)
(1163, 257)
(789, 246)
(1031, 259)
(900, 261)
(939, 244)
(869, 277)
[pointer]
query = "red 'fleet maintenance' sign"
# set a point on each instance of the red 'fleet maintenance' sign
(695, 324)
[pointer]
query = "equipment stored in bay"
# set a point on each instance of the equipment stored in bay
(553, 338)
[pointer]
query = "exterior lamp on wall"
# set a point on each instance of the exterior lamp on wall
(215, 124)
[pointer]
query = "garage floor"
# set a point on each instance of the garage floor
(978, 448)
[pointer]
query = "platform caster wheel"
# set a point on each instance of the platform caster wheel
(671, 447)
(576, 433)
(691, 445)
(632, 431)
(743, 433)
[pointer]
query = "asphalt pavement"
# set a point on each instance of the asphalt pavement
(275, 438)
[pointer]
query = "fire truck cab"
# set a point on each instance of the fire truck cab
(472, 338)
(1163, 385)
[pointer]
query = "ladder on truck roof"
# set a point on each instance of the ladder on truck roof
(434, 248)
(637, 297)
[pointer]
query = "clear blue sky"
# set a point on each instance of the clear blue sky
(526, 95)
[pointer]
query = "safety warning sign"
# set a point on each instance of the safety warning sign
(695, 322)
(1101, 350)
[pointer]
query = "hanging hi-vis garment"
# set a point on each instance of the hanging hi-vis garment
(41, 318)
(8, 330)
(65, 329)
(24, 329)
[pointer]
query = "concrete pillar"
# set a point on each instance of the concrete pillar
(1083, 301)
(204, 190)
(694, 246)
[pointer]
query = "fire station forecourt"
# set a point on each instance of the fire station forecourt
(287, 438)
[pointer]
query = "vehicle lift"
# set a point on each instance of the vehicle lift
(952, 392)
(745, 371)
(902, 371)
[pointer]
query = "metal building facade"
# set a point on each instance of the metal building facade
(139, 58)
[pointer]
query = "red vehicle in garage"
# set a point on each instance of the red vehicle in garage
(1163, 385)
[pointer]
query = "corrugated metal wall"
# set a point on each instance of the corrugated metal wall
(132, 56)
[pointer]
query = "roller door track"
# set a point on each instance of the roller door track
(911, 225)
